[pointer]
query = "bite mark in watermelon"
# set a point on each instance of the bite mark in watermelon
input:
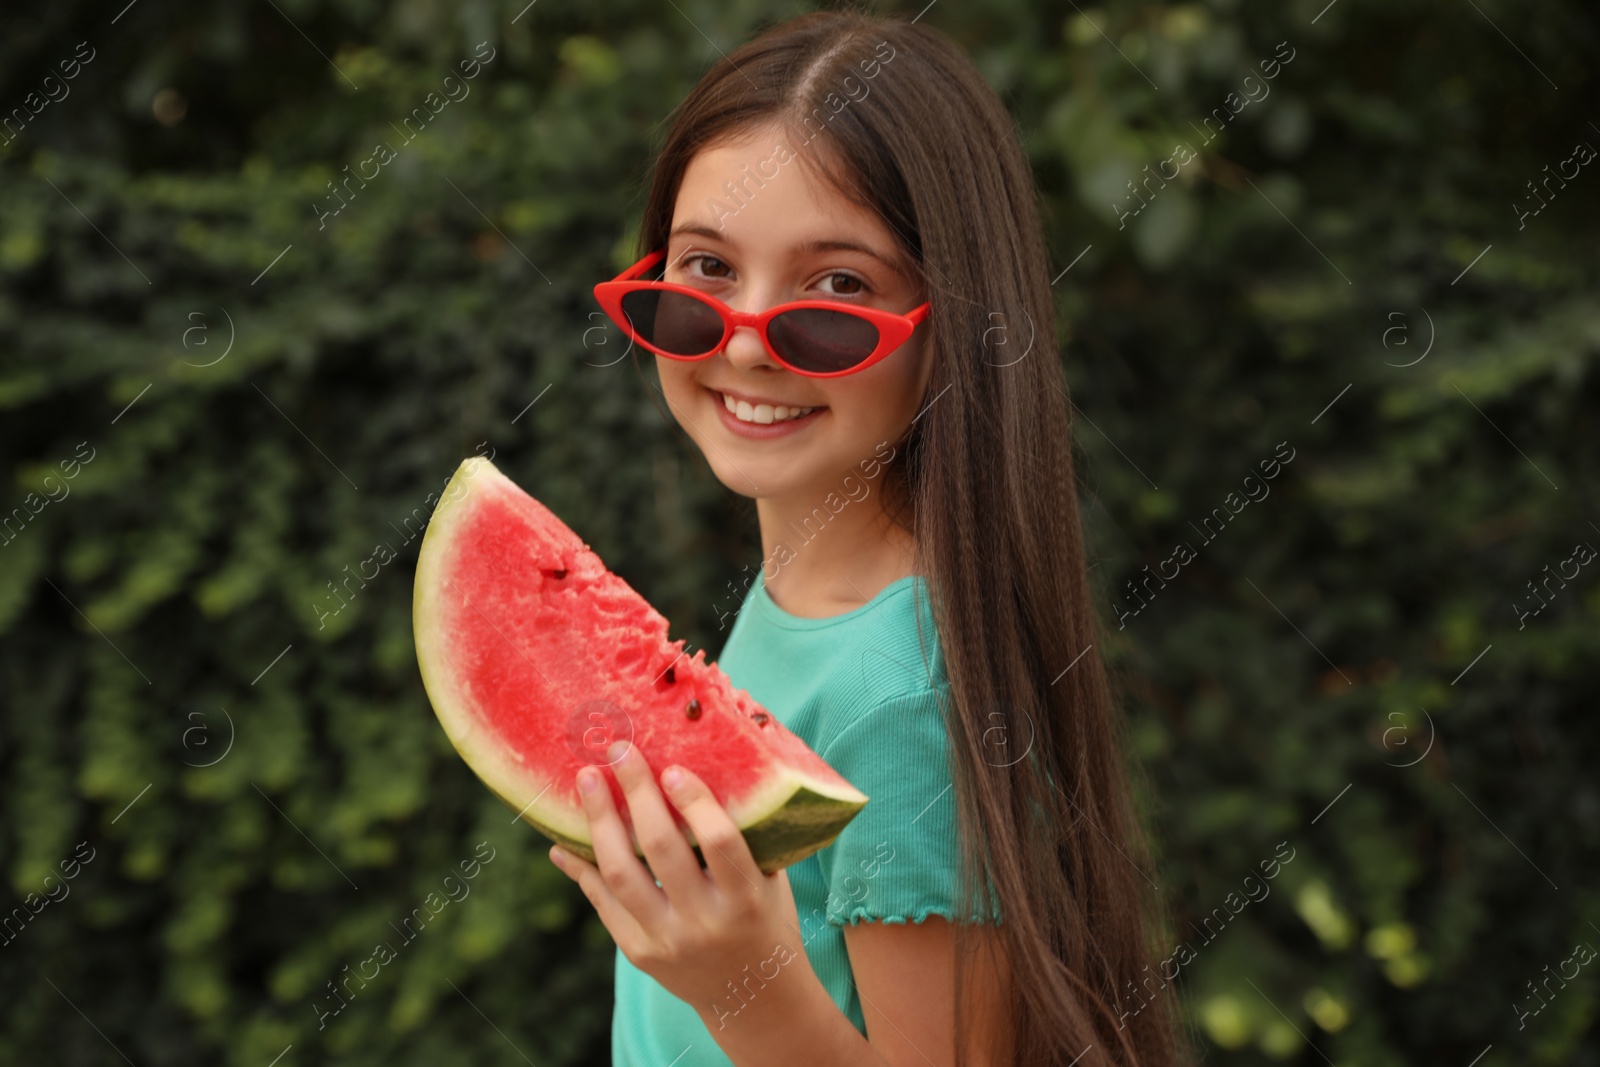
(536, 658)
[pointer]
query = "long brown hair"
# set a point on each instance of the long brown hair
(987, 480)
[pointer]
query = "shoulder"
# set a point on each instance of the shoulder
(894, 666)
(841, 678)
(897, 752)
(904, 725)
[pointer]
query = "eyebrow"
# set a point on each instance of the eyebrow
(815, 244)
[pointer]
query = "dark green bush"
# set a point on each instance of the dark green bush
(258, 780)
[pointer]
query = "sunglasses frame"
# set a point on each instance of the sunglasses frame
(894, 329)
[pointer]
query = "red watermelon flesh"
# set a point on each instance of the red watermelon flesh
(536, 658)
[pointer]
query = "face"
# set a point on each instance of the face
(751, 257)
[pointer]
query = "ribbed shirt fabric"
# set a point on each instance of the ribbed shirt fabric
(861, 689)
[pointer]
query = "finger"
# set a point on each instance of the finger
(623, 874)
(665, 848)
(728, 860)
(618, 920)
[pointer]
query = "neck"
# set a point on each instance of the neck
(825, 553)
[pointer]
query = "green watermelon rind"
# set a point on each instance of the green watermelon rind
(792, 817)
(784, 838)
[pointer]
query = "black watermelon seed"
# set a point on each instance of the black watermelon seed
(760, 717)
(671, 676)
(562, 573)
(693, 710)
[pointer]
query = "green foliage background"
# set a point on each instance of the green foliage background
(1359, 617)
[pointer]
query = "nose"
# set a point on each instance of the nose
(746, 352)
(744, 349)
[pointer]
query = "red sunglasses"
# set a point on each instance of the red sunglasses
(817, 338)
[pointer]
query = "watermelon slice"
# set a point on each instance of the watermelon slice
(536, 658)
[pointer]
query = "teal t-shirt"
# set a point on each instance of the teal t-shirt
(861, 689)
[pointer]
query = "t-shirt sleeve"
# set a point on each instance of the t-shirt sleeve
(898, 860)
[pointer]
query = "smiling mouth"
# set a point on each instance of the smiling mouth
(762, 414)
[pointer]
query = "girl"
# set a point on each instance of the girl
(843, 279)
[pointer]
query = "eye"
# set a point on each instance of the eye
(848, 280)
(703, 258)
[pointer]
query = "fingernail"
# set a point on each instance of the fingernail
(587, 780)
(672, 778)
(557, 854)
(617, 750)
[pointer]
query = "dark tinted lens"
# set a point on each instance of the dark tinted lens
(816, 339)
(673, 322)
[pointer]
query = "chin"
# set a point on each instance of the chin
(768, 480)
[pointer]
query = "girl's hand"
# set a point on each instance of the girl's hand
(701, 928)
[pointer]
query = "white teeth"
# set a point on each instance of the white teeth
(762, 413)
